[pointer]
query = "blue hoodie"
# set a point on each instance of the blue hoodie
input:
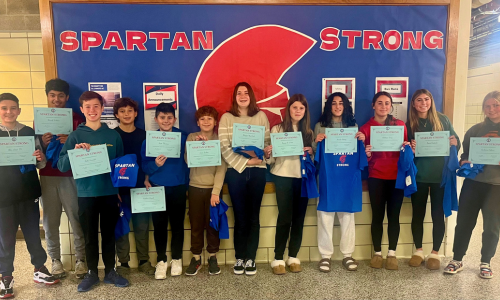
(174, 171)
(449, 182)
(407, 172)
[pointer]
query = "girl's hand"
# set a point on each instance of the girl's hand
(254, 162)
(320, 137)
(160, 160)
(413, 145)
(201, 138)
(309, 150)
(268, 150)
(214, 200)
(83, 146)
(360, 136)
(465, 162)
(39, 155)
(368, 150)
(453, 141)
(147, 184)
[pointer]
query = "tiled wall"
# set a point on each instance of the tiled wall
(22, 71)
(473, 114)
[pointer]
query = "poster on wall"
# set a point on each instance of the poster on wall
(398, 88)
(342, 85)
(110, 91)
(156, 93)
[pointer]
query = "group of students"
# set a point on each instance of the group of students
(87, 201)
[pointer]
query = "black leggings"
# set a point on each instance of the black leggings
(381, 192)
(477, 196)
(419, 205)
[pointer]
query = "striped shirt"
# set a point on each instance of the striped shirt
(234, 160)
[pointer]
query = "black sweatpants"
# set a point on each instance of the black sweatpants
(419, 205)
(27, 215)
(477, 196)
(292, 211)
(91, 211)
(175, 200)
(246, 190)
(384, 192)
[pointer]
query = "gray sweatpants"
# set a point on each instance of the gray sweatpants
(58, 193)
(140, 224)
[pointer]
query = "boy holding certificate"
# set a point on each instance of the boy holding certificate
(19, 202)
(125, 110)
(97, 197)
(205, 186)
(173, 174)
(59, 189)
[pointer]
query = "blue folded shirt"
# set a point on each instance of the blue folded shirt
(470, 170)
(258, 152)
(218, 219)
(309, 184)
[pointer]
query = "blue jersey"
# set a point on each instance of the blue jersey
(340, 187)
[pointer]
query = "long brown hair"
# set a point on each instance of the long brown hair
(304, 125)
(432, 113)
(253, 109)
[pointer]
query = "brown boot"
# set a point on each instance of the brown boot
(391, 263)
(278, 267)
(433, 262)
(417, 259)
(377, 261)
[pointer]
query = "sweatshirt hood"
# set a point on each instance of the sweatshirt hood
(18, 127)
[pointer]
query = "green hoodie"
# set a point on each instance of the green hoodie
(98, 185)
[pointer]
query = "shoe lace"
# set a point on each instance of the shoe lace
(249, 263)
(240, 262)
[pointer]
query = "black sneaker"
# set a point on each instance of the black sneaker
(7, 287)
(250, 267)
(213, 267)
(239, 267)
(43, 275)
(194, 267)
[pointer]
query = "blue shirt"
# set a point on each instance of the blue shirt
(407, 172)
(174, 171)
(340, 187)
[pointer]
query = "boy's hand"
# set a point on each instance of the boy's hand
(62, 138)
(201, 138)
(39, 155)
(214, 200)
(83, 146)
(320, 137)
(46, 139)
(147, 184)
(160, 160)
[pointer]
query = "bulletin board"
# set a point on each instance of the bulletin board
(281, 47)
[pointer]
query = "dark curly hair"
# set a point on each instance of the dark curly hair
(347, 115)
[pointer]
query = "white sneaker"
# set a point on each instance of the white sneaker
(58, 269)
(176, 267)
(161, 270)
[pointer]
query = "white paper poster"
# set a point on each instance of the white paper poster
(342, 85)
(156, 93)
(110, 91)
(398, 88)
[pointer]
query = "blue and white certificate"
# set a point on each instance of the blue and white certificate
(248, 135)
(17, 151)
(387, 138)
(434, 143)
(287, 144)
(53, 120)
(144, 201)
(203, 153)
(163, 142)
(89, 163)
(341, 140)
(484, 150)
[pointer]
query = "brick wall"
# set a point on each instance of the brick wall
(19, 15)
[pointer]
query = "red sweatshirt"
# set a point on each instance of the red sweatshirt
(48, 170)
(382, 165)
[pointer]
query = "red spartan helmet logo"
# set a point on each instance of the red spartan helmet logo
(342, 159)
(122, 171)
(259, 55)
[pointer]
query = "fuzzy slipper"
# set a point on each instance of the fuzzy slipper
(278, 267)
(433, 261)
(294, 264)
(391, 263)
(377, 261)
(416, 259)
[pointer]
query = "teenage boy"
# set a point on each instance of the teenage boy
(205, 185)
(172, 174)
(59, 190)
(125, 111)
(97, 198)
(20, 190)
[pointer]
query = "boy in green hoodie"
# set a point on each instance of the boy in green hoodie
(97, 197)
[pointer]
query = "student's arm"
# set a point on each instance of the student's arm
(220, 174)
(236, 161)
(148, 163)
(191, 137)
(267, 134)
(40, 164)
(466, 145)
(63, 163)
(317, 131)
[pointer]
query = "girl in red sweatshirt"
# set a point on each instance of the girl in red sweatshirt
(383, 169)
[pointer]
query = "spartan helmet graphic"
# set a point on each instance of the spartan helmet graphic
(259, 55)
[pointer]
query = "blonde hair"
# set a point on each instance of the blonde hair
(432, 113)
(491, 95)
